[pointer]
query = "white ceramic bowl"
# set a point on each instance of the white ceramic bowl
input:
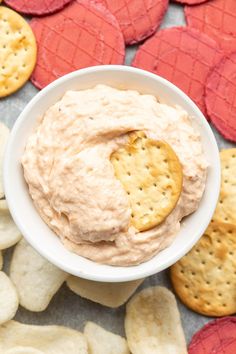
(39, 235)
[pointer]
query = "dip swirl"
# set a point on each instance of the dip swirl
(71, 180)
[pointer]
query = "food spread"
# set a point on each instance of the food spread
(71, 179)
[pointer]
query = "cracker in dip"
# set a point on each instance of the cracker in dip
(71, 179)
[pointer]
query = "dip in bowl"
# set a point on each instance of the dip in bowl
(110, 250)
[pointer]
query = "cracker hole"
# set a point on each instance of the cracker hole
(197, 250)
(167, 176)
(132, 215)
(4, 20)
(4, 46)
(230, 231)
(6, 87)
(3, 67)
(225, 181)
(140, 188)
(210, 253)
(26, 49)
(221, 201)
(151, 208)
(147, 167)
(224, 305)
(158, 147)
(196, 297)
(17, 78)
(182, 271)
(7, 32)
(207, 282)
(163, 193)
(143, 148)
(24, 65)
(233, 155)
(138, 203)
(154, 184)
(128, 173)
(165, 161)
(203, 262)
(219, 267)
(227, 167)
(193, 273)
(219, 294)
(218, 240)
(186, 286)
(129, 154)
(228, 282)
(15, 54)
(128, 193)
(226, 219)
(231, 253)
(208, 303)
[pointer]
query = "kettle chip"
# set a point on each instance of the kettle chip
(46, 339)
(35, 279)
(152, 176)
(152, 323)
(17, 51)
(4, 134)
(101, 341)
(9, 233)
(8, 299)
(204, 279)
(107, 294)
(226, 207)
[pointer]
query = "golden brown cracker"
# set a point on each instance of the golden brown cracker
(151, 174)
(226, 207)
(205, 279)
(17, 51)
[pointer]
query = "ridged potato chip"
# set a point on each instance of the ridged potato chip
(36, 279)
(46, 339)
(226, 207)
(152, 176)
(8, 299)
(9, 233)
(101, 341)
(152, 323)
(107, 294)
(4, 134)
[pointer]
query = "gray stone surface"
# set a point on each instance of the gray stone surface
(67, 308)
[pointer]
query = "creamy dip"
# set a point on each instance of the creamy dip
(71, 179)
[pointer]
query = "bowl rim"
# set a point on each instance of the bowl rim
(37, 245)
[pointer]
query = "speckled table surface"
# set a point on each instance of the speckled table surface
(66, 308)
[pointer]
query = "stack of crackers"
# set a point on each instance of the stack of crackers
(205, 279)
